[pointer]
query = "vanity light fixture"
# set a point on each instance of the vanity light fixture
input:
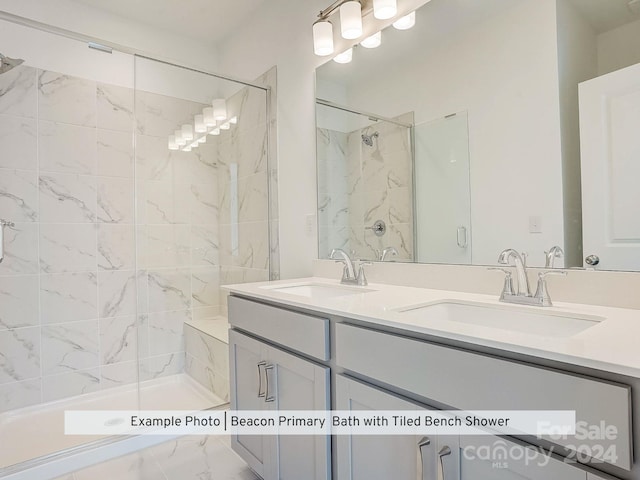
(351, 19)
(199, 125)
(233, 120)
(323, 38)
(373, 41)
(219, 109)
(208, 118)
(344, 57)
(384, 9)
(351, 28)
(181, 142)
(187, 132)
(406, 22)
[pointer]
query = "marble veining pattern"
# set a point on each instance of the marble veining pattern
(18, 143)
(19, 195)
(68, 285)
(17, 308)
(70, 346)
(67, 99)
(18, 92)
(67, 198)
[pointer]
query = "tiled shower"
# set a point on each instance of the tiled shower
(119, 241)
(362, 182)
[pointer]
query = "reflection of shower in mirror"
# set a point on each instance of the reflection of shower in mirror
(368, 139)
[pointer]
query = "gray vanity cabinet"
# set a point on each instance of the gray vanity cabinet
(264, 377)
(444, 457)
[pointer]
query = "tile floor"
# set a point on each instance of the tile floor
(187, 458)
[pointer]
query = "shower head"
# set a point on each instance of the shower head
(368, 139)
(7, 63)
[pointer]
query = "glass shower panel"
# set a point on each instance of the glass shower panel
(67, 299)
(202, 220)
(443, 198)
(365, 168)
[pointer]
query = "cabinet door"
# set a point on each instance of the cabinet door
(381, 457)
(294, 383)
(247, 364)
(494, 458)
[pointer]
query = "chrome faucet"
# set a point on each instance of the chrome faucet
(349, 272)
(550, 256)
(523, 295)
(520, 262)
(388, 251)
(349, 276)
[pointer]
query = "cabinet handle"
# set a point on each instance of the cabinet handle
(424, 442)
(260, 392)
(444, 451)
(268, 396)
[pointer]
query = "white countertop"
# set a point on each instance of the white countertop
(611, 345)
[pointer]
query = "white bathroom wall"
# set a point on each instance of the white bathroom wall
(619, 48)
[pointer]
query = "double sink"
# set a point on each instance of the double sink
(524, 320)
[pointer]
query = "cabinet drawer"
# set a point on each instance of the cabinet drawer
(297, 331)
(470, 381)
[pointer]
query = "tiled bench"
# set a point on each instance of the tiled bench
(207, 354)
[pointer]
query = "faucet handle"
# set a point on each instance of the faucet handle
(542, 292)
(543, 274)
(362, 278)
(507, 288)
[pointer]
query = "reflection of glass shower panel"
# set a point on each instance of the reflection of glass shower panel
(443, 208)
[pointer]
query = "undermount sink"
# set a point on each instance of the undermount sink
(551, 324)
(318, 291)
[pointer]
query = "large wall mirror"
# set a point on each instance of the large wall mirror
(460, 137)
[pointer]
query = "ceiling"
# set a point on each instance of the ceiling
(605, 15)
(206, 20)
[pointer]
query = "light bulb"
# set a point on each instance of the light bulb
(208, 118)
(233, 120)
(187, 131)
(172, 143)
(200, 127)
(322, 38)
(179, 140)
(225, 126)
(344, 57)
(351, 20)
(215, 131)
(406, 22)
(383, 9)
(219, 109)
(373, 41)
(202, 139)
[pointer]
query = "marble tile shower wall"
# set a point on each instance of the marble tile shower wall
(177, 234)
(244, 240)
(68, 283)
(66, 286)
(333, 192)
(359, 184)
(380, 179)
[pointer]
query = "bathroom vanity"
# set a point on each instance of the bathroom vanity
(314, 344)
